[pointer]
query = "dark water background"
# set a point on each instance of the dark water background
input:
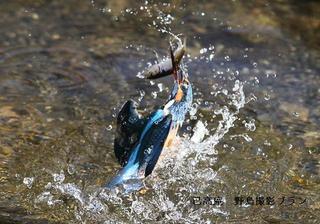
(66, 67)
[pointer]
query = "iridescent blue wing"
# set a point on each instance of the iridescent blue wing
(147, 150)
(129, 128)
(152, 143)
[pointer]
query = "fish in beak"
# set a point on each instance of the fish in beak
(166, 67)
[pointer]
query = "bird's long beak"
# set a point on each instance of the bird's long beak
(174, 65)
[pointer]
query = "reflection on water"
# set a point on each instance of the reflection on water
(67, 67)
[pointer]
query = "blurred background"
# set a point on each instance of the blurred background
(66, 67)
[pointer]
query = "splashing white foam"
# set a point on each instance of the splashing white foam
(200, 131)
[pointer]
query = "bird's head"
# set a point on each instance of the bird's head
(180, 98)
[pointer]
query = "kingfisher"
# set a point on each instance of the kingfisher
(140, 140)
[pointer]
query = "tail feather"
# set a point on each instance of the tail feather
(127, 173)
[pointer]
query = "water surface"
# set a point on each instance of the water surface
(66, 67)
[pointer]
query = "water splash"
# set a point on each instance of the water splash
(28, 181)
(175, 169)
(229, 116)
(199, 132)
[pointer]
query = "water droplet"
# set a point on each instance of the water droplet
(160, 86)
(142, 94)
(225, 91)
(138, 207)
(154, 95)
(140, 75)
(48, 186)
(266, 142)
(28, 181)
(296, 114)
(193, 117)
(58, 177)
(250, 125)
(256, 80)
(203, 50)
(71, 169)
(247, 137)
(266, 96)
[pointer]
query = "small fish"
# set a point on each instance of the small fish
(165, 67)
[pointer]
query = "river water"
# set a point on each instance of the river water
(66, 67)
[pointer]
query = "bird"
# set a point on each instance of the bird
(140, 140)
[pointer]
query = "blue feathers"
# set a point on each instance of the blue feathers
(146, 151)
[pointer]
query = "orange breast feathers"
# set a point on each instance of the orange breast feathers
(179, 94)
(171, 136)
